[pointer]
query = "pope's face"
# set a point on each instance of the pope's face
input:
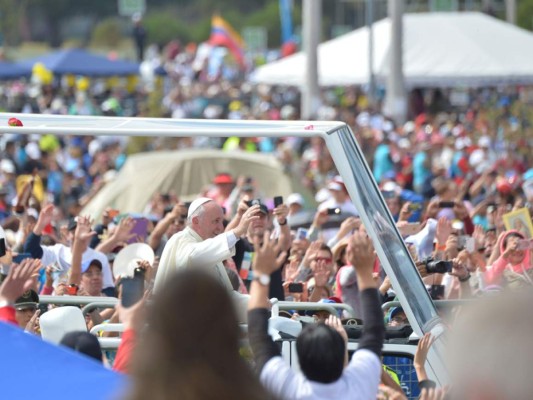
(210, 223)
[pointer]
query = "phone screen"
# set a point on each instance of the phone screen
(140, 230)
(446, 204)
(301, 234)
(132, 291)
(296, 287)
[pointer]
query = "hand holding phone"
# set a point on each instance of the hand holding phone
(132, 291)
(296, 287)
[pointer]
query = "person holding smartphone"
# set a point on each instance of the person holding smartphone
(245, 249)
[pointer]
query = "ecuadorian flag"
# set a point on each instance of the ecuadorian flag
(222, 34)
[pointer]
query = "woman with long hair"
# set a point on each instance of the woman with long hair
(190, 348)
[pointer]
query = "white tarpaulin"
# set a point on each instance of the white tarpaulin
(439, 49)
(187, 173)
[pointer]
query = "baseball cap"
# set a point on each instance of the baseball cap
(85, 266)
(29, 299)
(222, 178)
(295, 198)
(262, 208)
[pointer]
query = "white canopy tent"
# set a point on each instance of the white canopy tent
(439, 49)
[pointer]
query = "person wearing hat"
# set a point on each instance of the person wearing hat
(244, 250)
(224, 184)
(60, 254)
(26, 310)
(340, 200)
(203, 243)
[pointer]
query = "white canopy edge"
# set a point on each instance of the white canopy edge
(156, 127)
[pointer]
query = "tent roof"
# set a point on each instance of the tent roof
(440, 49)
(13, 71)
(82, 62)
(186, 173)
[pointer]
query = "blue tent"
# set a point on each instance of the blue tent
(13, 71)
(31, 368)
(81, 62)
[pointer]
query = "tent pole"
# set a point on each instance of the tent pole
(371, 76)
(312, 28)
(510, 11)
(395, 105)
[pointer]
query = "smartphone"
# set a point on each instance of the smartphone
(72, 289)
(296, 287)
(2, 247)
(334, 211)
(278, 201)
(414, 207)
(132, 291)
(525, 244)
(446, 204)
(21, 256)
(301, 234)
(140, 229)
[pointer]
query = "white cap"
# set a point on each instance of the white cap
(7, 166)
(196, 204)
(295, 198)
(32, 150)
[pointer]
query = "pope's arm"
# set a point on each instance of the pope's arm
(211, 251)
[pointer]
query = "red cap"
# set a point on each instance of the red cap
(222, 178)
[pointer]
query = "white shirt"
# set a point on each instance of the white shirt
(61, 255)
(359, 380)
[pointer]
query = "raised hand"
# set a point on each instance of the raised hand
(123, 232)
(20, 279)
(444, 229)
(83, 232)
(45, 217)
(336, 324)
(421, 355)
(249, 216)
(266, 255)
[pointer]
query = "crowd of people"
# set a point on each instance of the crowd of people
(459, 186)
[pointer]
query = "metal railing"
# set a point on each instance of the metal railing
(438, 303)
(305, 306)
(75, 300)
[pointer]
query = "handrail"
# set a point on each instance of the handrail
(107, 328)
(98, 304)
(301, 305)
(75, 300)
(438, 303)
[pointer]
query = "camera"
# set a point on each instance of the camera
(437, 266)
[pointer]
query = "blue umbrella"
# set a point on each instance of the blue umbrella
(13, 71)
(81, 62)
(31, 368)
